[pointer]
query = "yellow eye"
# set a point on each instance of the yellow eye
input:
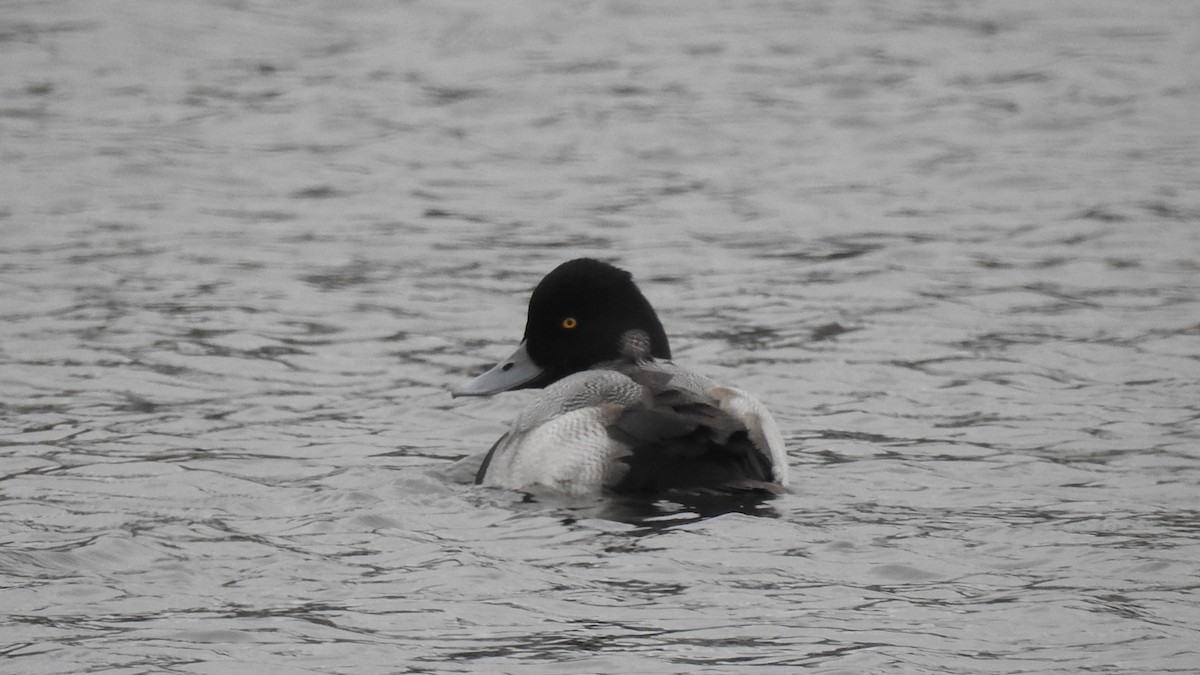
(569, 323)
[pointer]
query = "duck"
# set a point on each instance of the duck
(615, 414)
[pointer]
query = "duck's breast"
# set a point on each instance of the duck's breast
(570, 454)
(561, 441)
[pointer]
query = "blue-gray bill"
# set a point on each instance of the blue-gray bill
(511, 373)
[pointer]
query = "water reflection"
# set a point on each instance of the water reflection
(650, 516)
(646, 514)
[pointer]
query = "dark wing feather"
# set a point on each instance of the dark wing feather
(487, 459)
(681, 442)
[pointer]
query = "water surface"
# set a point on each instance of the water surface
(248, 247)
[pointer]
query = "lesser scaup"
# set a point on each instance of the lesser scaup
(616, 414)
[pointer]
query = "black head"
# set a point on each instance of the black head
(579, 314)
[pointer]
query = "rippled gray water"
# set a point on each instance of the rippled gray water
(248, 246)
